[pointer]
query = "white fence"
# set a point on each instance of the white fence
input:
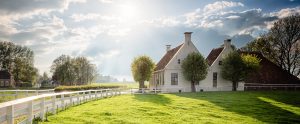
(26, 109)
(256, 86)
(21, 93)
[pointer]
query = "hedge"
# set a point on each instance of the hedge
(86, 87)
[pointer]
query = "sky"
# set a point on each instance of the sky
(110, 33)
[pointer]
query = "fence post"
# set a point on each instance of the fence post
(62, 101)
(101, 96)
(53, 104)
(106, 92)
(10, 114)
(90, 95)
(27, 93)
(43, 108)
(16, 95)
(36, 92)
(71, 99)
(78, 97)
(30, 112)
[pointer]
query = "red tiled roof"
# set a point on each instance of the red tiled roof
(213, 55)
(166, 58)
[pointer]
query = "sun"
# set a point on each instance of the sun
(129, 11)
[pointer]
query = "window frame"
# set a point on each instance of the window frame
(215, 79)
(174, 78)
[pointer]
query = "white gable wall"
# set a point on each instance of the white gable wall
(174, 67)
(222, 84)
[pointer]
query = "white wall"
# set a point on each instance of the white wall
(174, 67)
(222, 84)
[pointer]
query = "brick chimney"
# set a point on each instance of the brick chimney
(168, 47)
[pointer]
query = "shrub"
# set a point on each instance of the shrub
(87, 87)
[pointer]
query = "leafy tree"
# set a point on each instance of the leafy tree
(281, 44)
(19, 61)
(236, 67)
(194, 69)
(73, 71)
(142, 68)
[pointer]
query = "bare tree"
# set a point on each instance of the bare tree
(281, 44)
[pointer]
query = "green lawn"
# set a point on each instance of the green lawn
(205, 107)
(9, 98)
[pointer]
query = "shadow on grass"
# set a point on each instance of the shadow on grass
(153, 98)
(252, 105)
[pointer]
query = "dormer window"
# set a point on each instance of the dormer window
(220, 62)
(178, 61)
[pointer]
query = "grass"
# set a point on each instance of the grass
(205, 107)
(9, 98)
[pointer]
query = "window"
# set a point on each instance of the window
(215, 79)
(178, 61)
(174, 79)
(220, 62)
(163, 79)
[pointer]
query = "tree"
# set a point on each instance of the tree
(73, 71)
(19, 61)
(236, 67)
(194, 69)
(142, 68)
(281, 44)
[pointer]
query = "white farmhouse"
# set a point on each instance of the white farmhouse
(168, 75)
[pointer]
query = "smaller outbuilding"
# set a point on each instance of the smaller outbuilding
(6, 79)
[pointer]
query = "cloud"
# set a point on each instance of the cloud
(93, 17)
(219, 5)
(287, 12)
(230, 22)
(163, 22)
(106, 1)
(32, 7)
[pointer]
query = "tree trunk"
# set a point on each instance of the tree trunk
(234, 86)
(193, 86)
(141, 84)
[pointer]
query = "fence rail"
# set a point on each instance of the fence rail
(38, 106)
(255, 86)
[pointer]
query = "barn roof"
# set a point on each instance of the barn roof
(270, 73)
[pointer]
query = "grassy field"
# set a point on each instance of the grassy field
(11, 97)
(205, 107)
